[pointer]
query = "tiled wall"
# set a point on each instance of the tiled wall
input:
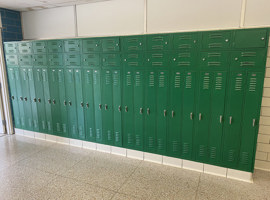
(11, 22)
(263, 143)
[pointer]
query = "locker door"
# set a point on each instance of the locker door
(20, 98)
(80, 103)
(55, 103)
(255, 38)
(71, 103)
(150, 106)
(233, 118)
(203, 104)
(14, 97)
(10, 47)
(158, 42)
(63, 103)
(47, 100)
(188, 113)
(26, 99)
(250, 120)
(40, 100)
(33, 100)
(107, 112)
(117, 107)
(88, 99)
(97, 104)
(128, 112)
(217, 117)
(139, 109)
(55, 46)
(175, 113)
(162, 107)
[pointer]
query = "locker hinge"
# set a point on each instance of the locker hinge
(4, 122)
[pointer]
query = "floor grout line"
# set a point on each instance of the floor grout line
(198, 186)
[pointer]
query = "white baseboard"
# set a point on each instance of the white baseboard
(118, 151)
(104, 148)
(155, 158)
(18, 131)
(76, 143)
(135, 154)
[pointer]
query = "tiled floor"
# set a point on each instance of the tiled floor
(35, 169)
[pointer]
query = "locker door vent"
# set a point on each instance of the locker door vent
(151, 143)
(238, 83)
(160, 144)
(202, 150)
(98, 134)
(218, 83)
(43, 125)
(161, 82)
(231, 156)
(175, 146)
(117, 136)
(108, 78)
(109, 134)
(177, 80)
(213, 153)
(151, 80)
(64, 126)
(49, 125)
(206, 81)
(188, 81)
(128, 79)
(252, 84)
(138, 81)
(186, 148)
(244, 158)
(129, 139)
(137, 140)
(35, 123)
(91, 132)
(58, 127)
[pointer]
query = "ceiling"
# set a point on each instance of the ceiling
(28, 5)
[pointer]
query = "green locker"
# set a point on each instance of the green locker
(25, 60)
(25, 47)
(117, 106)
(55, 103)
(250, 123)
(97, 104)
(71, 102)
(184, 59)
(188, 115)
(162, 107)
(14, 97)
(26, 99)
(88, 99)
(11, 60)
(158, 42)
(175, 113)
(128, 112)
(10, 47)
(133, 43)
(91, 45)
(157, 59)
(251, 58)
(202, 120)
(233, 118)
(72, 46)
(72, 59)
(20, 97)
(186, 41)
(217, 59)
(217, 39)
(55, 46)
(40, 60)
(250, 38)
(107, 112)
(79, 103)
(111, 60)
(33, 100)
(55, 60)
(135, 59)
(40, 100)
(217, 117)
(63, 103)
(47, 100)
(151, 112)
(110, 44)
(139, 109)
(91, 60)
(39, 47)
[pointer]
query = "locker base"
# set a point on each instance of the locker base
(165, 160)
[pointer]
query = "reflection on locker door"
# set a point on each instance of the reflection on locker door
(97, 104)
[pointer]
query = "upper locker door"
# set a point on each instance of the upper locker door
(88, 99)
(97, 104)
(63, 102)
(71, 103)
(233, 118)
(128, 117)
(79, 103)
(175, 113)
(217, 116)
(33, 100)
(55, 103)
(20, 97)
(40, 100)
(151, 112)
(162, 111)
(250, 121)
(14, 97)
(117, 107)
(188, 116)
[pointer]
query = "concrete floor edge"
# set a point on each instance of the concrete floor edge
(155, 158)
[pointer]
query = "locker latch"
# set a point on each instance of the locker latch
(81, 104)
(25, 98)
(53, 101)
(21, 98)
(49, 101)
(165, 113)
(87, 105)
(119, 108)
(106, 107)
(99, 106)
(12, 97)
(126, 108)
(148, 111)
(65, 103)
(39, 100)
(69, 103)
(141, 110)
(35, 99)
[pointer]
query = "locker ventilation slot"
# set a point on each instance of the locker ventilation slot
(129, 139)
(64, 128)
(184, 46)
(108, 78)
(116, 79)
(248, 54)
(202, 150)
(128, 80)
(184, 55)
(138, 80)
(218, 85)
(151, 143)
(157, 47)
(91, 132)
(161, 81)
(215, 45)
(213, 152)
(138, 140)
(151, 80)
(177, 80)
(238, 84)
(231, 155)
(110, 137)
(206, 81)
(244, 158)
(186, 148)
(133, 48)
(95, 79)
(117, 136)
(98, 134)
(252, 84)
(188, 82)
(133, 64)
(175, 146)
(88, 78)
(135, 56)
(160, 144)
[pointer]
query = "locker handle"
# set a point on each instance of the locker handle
(53, 101)
(106, 107)
(126, 108)
(87, 105)
(69, 103)
(35, 99)
(191, 116)
(172, 113)
(119, 108)
(65, 103)
(81, 104)
(254, 122)
(220, 118)
(21, 98)
(39, 100)
(200, 116)
(25, 98)
(148, 111)
(99, 106)
(49, 101)
(12, 97)
(230, 119)
(141, 111)
(165, 113)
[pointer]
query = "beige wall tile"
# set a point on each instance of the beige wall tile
(264, 165)
(267, 81)
(264, 129)
(265, 101)
(265, 111)
(266, 92)
(263, 147)
(267, 71)
(263, 138)
(265, 120)
(261, 155)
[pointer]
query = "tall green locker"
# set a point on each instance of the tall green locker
(20, 97)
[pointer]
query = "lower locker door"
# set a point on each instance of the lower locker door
(162, 118)
(63, 103)
(188, 114)
(47, 101)
(150, 115)
(201, 136)
(97, 104)
(88, 98)
(233, 119)
(20, 98)
(71, 103)
(128, 112)
(117, 107)
(107, 112)
(139, 109)
(250, 120)
(175, 114)
(33, 100)
(217, 117)
(80, 103)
